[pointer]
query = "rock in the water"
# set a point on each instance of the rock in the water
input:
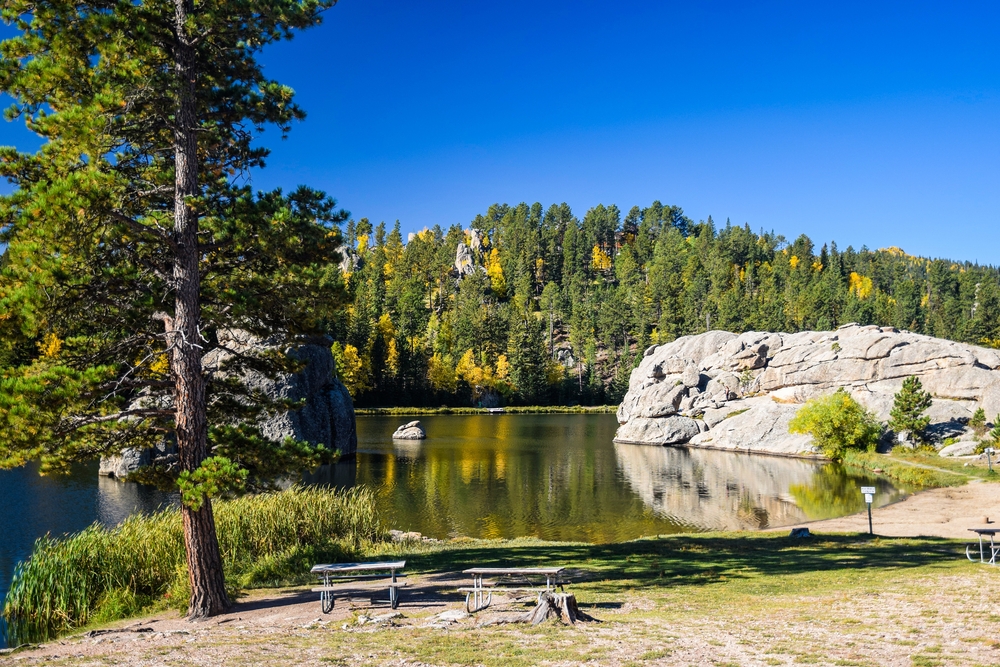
(129, 461)
(770, 375)
(410, 431)
(964, 448)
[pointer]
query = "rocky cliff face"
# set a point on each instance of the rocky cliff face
(326, 418)
(738, 392)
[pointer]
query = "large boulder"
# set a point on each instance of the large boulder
(409, 431)
(326, 417)
(744, 388)
(964, 448)
(672, 430)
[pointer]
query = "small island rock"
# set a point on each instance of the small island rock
(410, 431)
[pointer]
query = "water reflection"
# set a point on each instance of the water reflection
(553, 476)
(558, 477)
(715, 490)
(341, 475)
(562, 477)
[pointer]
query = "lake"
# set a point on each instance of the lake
(561, 477)
(558, 477)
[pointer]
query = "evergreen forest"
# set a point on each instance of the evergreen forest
(533, 305)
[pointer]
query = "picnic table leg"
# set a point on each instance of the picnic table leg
(476, 599)
(393, 593)
(326, 597)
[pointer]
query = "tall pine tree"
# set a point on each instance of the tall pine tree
(134, 243)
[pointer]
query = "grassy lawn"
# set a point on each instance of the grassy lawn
(743, 598)
(709, 599)
(921, 469)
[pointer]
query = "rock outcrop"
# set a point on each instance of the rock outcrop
(742, 390)
(327, 416)
(410, 431)
(464, 262)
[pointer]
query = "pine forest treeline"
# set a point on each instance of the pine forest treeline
(535, 306)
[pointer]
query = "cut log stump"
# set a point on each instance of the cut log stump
(561, 605)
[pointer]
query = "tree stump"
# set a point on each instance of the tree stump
(561, 605)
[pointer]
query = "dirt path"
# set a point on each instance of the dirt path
(947, 512)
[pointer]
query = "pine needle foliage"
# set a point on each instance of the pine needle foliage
(908, 408)
(136, 246)
(978, 423)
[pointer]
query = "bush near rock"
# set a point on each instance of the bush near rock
(749, 386)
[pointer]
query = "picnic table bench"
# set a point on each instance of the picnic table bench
(351, 577)
(993, 549)
(508, 580)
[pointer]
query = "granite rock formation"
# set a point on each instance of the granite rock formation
(327, 416)
(741, 390)
(410, 431)
(464, 260)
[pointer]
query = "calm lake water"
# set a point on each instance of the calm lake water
(32, 505)
(558, 477)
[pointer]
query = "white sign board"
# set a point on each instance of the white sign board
(868, 490)
(869, 498)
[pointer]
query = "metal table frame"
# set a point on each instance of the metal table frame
(481, 595)
(991, 532)
(334, 573)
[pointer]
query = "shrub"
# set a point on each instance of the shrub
(978, 422)
(837, 424)
(908, 408)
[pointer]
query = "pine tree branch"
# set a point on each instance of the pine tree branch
(140, 228)
(79, 422)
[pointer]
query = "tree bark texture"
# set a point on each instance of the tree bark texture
(204, 559)
(561, 605)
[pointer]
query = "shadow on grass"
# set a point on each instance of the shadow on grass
(697, 559)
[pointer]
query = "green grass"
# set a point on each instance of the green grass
(757, 563)
(528, 409)
(750, 597)
(100, 574)
(900, 468)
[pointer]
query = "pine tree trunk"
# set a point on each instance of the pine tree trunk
(204, 559)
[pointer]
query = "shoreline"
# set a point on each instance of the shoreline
(507, 410)
(946, 512)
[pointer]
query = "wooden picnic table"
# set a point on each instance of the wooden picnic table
(509, 580)
(981, 532)
(348, 577)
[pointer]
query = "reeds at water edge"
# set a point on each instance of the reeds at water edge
(102, 574)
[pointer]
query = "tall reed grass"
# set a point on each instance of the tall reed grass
(101, 574)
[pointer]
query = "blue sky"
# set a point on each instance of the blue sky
(866, 123)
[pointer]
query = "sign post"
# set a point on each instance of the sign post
(869, 492)
(989, 459)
